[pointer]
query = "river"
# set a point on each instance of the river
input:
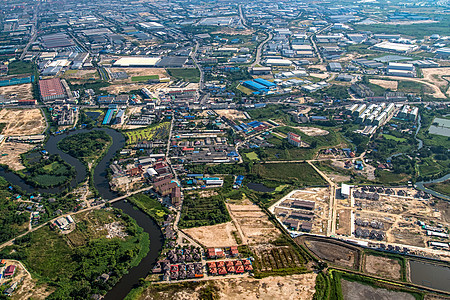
(130, 280)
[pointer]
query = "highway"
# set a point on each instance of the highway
(34, 31)
(259, 49)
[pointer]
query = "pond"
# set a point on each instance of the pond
(430, 275)
(259, 187)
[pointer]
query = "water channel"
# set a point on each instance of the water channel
(130, 280)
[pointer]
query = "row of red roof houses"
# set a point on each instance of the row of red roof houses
(230, 266)
(219, 252)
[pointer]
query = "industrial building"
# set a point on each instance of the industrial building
(137, 62)
(266, 83)
(401, 69)
(278, 62)
(395, 47)
(51, 89)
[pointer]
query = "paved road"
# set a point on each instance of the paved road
(259, 49)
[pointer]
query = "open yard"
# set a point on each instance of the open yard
(22, 121)
(219, 235)
(301, 173)
(292, 287)
(231, 114)
(19, 92)
(312, 131)
(387, 84)
(252, 223)
(12, 158)
(382, 266)
(354, 290)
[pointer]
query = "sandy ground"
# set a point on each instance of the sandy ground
(437, 93)
(252, 223)
(387, 84)
(356, 290)
(231, 114)
(232, 31)
(81, 74)
(22, 121)
(317, 66)
(382, 266)
(434, 75)
(13, 158)
(319, 75)
(141, 71)
(126, 88)
(291, 287)
(287, 287)
(312, 131)
(27, 288)
(19, 92)
(219, 235)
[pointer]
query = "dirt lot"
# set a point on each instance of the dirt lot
(312, 131)
(219, 235)
(141, 71)
(344, 226)
(22, 121)
(387, 84)
(231, 114)
(19, 92)
(437, 93)
(27, 287)
(252, 224)
(80, 74)
(232, 31)
(319, 75)
(13, 158)
(382, 266)
(277, 287)
(337, 253)
(355, 290)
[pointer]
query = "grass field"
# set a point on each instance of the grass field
(19, 67)
(144, 78)
(441, 187)
(150, 206)
(252, 155)
(191, 75)
(244, 89)
(300, 173)
(154, 132)
(391, 137)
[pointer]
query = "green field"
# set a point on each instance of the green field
(155, 132)
(72, 263)
(87, 146)
(20, 67)
(191, 75)
(245, 90)
(198, 211)
(150, 206)
(299, 173)
(394, 138)
(252, 155)
(144, 78)
(441, 187)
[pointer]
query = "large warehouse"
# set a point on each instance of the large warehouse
(278, 62)
(137, 62)
(395, 47)
(51, 89)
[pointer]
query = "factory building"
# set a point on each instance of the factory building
(278, 62)
(395, 47)
(51, 89)
(401, 69)
(359, 110)
(266, 83)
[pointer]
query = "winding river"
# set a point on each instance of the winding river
(131, 279)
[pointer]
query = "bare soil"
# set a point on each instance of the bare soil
(387, 84)
(356, 290)
(382, 266)
(22, 121)
(334, 252)
(13, 151)
(277, 287)
(435, 75)
(219, 235)
(18, 92)
(312, 131)
(231, 114)
(252, 224)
